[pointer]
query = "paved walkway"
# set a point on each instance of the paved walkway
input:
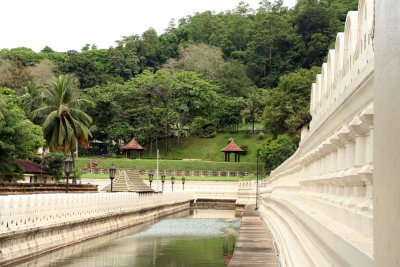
(254, 246)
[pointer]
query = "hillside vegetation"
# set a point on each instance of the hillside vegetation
(188, 165)
(209, 149)
(206, 74)
(192, 153)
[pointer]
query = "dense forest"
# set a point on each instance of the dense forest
(206, 73)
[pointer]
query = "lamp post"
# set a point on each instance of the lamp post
(112, 175)
(150, 178)
(163, 181)
(183, 183)
(67, 169)
(172, 182)
(258, 154)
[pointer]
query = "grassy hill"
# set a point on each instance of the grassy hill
(208, 149)
(193, 153)
(150, 164)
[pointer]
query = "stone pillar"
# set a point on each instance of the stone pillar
(386, 152)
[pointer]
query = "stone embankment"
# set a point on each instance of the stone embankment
(31, 225)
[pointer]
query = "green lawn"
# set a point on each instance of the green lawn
(178, 178)
(148, 164)
(208, 148)
(191, 154)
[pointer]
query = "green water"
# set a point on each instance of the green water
(188, 239)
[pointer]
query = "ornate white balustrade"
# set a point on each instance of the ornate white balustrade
(349, 65)
(20, 212)
(318, 203)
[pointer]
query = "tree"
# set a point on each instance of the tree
(254, 107)
(277, 151)
(24, 55)
(271, 48)
(65, 123)
(42, 72)
(202, 58)
(124, 60)
(2, 108)
(208, 60)
(201, 26)
(287, 106)
(54, 163)
(14, 74)
(19, 138)
(228, 112)
(148, 49)
(32, 99)
(89, 70)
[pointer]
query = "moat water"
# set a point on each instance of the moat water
(188, 239)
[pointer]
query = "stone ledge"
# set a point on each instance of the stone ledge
(18, 246)
(306, 238)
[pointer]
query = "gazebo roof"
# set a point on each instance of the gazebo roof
(232, 147)
(133, 145)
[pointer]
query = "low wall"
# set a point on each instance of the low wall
(34, 224)
(179, 172)
(40, 188)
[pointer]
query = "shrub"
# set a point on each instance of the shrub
(245, 148)
(54, 162)
(276, 151)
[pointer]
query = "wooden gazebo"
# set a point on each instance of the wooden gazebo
(232, 148)
(134, 146)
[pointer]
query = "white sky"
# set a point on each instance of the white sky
(70, 24)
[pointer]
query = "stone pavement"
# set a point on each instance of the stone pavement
(254, 246)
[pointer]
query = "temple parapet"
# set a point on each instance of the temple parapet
(352, 57)
(319, 202)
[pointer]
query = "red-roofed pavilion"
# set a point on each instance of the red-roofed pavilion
(133, 145)
(232, 148)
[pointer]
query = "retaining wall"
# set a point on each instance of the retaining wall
(34, 224)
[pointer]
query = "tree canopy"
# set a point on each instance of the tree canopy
(208, 68)
(19, 137)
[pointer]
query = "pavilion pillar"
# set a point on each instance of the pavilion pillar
(238, 157)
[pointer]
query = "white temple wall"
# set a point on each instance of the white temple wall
(321, 197)
(387, 133)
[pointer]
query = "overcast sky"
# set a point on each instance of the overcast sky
(70, 24)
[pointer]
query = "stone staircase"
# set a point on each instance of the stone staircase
(128, 181)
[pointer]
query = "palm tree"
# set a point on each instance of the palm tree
(253, 107)
(32, 99)
(64, 123)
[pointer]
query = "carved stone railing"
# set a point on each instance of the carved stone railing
(180, 172)
(21, 212)
(318, 203)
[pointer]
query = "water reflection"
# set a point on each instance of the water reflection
(196, 238)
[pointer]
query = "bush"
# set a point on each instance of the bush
(245, 148)
(54, 163)
(202, 127)
(276, 151)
